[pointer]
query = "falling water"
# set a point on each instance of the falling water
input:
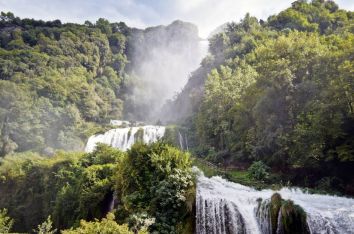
(183, 141)
(186, 139)
(180, 138)
(124, 138)
(226, 207)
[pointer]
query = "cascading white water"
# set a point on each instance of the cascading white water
(180, 138)
(226, 207)
(183, 141)
(124, 138)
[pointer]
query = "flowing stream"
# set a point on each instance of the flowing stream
(124, 138)
(226, 207)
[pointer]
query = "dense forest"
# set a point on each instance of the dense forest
(56, 80)
(272, 97)
(281, 92)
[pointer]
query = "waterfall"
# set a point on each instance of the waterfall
(183, 141)
(225, 207)
(263, 217)
(279, 226)
(186, 139)
(124, 138)
(180, 138)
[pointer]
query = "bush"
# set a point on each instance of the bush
(156, 179)
(106, 226)
(258, 170)
(140, 222)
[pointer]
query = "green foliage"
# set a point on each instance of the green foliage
(170, 201)
(54, 80)
(281, 92)
(70, 78)
(155, 179)
(66, 186)
(223, 90)
(235, 175)
(139, 222)
(292, 217)
(46, 227)
(316, 16)
(5, 222)
(105, 226)
(154, 186)
(139, 135)
(258, 170)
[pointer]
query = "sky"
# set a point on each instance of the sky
(206, 14)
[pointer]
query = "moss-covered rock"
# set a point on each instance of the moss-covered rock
(139, 135)
(129, 133)
(293, 218)
(286, 217)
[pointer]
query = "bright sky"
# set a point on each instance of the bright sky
(206, 14)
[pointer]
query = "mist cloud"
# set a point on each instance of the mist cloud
(162, 59)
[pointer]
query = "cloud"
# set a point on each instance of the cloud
(206, 14)
(209, 14)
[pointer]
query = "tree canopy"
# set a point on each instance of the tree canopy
(279, 91)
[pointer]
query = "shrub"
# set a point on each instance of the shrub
(105, 226)
(155, 179)
(258, 170)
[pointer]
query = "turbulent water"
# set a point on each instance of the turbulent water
(124, 138)
(226, 207)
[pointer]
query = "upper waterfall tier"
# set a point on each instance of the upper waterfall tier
(226, 207)
(124, 138)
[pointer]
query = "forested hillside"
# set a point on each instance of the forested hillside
(55, 79)
(60, 83)
(279, 91)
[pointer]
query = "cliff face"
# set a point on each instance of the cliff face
(175, 37)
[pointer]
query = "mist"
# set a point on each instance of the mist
(162, 61)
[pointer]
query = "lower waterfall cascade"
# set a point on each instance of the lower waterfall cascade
(124, 138)
(224, 207)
